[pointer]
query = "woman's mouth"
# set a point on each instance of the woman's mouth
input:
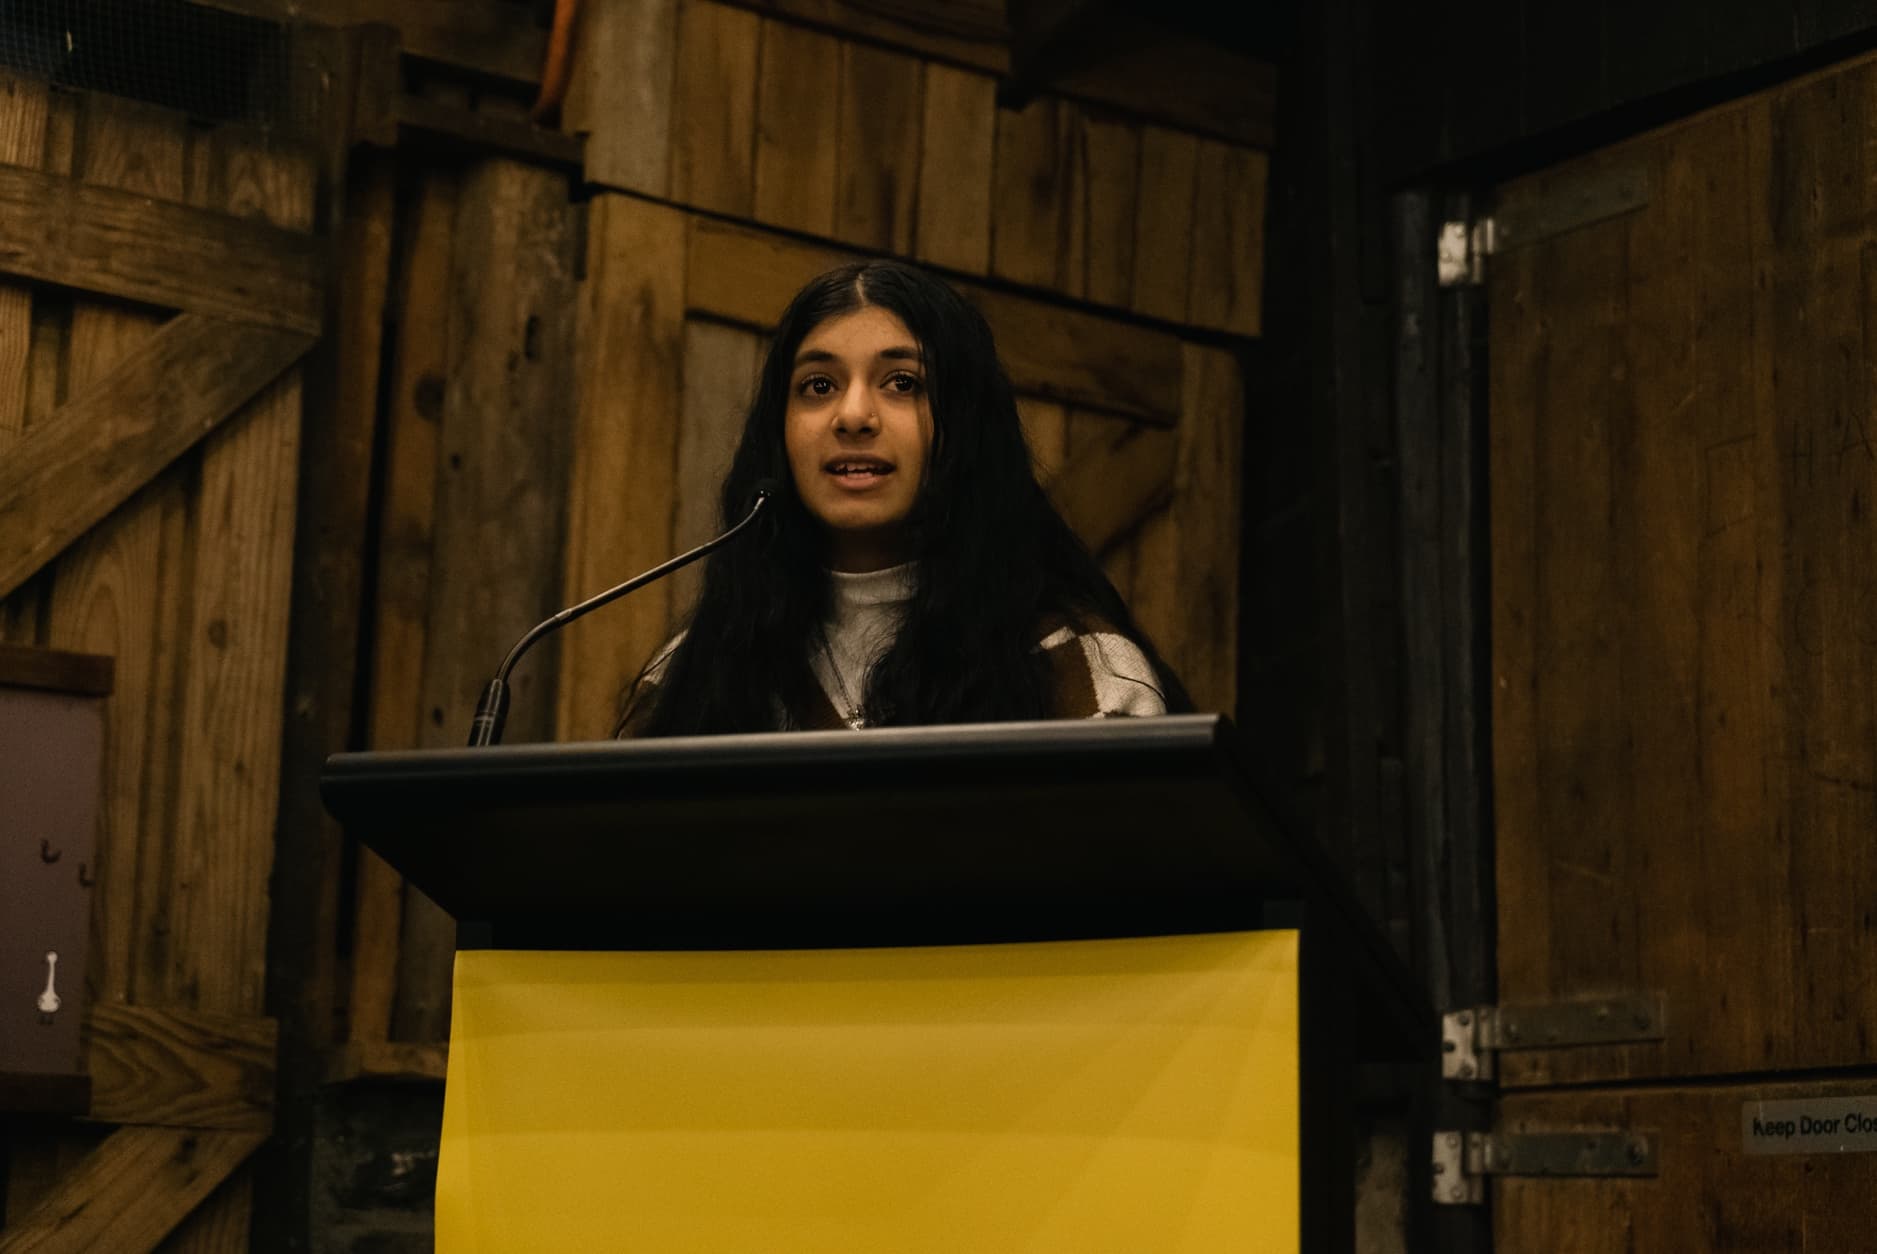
(856, 471)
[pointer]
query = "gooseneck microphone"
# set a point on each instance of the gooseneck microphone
(492, 711)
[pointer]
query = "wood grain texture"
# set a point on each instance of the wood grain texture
(129, 1193)
(1046, 431)
(500, 500)
(235, 657)
(880, 122)
(1110, 183)
(629, 398)
(401, 604)
(1228, 239)
(956, 157)
(112, 438)
(1708, 1194)
(117, 243)
(1108, 490)
(798, 113)
(721, 366)
(1686, 709)
(388, 1060)
(117, 590)
(747, 276)
(22, 143)
(621, 94)
(1163, 224)
(180, 1068)
(1033, 190)
(713, 142)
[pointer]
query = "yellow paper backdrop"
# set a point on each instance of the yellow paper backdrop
(1073, 1097)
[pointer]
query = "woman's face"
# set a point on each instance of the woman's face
(858, 428)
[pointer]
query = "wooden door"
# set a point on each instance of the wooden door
(1684, 646)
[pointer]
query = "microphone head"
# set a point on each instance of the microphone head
(765, 490)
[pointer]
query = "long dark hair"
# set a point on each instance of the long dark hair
(995, 561)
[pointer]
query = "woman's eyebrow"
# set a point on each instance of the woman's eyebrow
(896, 353)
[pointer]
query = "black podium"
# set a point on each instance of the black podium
(940, 836)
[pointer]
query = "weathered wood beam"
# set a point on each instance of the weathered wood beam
(403, 1061)
(98, 448)
(118, 243)
(1106, 492)
(179, 1068)
(482, 36)
(129, 1193)
(488, 133)
(747, 276)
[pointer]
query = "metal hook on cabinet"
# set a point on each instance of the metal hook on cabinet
(85, 878)
(47, 853)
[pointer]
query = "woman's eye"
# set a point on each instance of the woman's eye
(815, 385)
(904, 383)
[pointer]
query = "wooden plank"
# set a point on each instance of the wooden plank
(1046, 431)
(484, 131)
(22, 143)
(621, 95)
(120, 243)
(55, 670)
(956, 149)
(1707, 1194)
(1163, 224)
(1032, 189)
(180, 1068)
(234, 661)
(1106, 492)
(116, 590)
(748, 276)
(500, 497)
(721, 367)
(1202, 636)
(414, 409)
(970, 33)
(388, 1060)
(111, 439)
(880, 119)
(796, 131)
(713, 143)
(1228, 240)
(630, 395)
(128, 1194)
(1110, 182)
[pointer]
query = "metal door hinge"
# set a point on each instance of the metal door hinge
(1460, 257)
(1470, 1039)
(1463, 1160)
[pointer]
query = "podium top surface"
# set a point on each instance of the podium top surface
(1146, 824)
(893, 836)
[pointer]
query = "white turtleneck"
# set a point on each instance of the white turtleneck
(864, 617)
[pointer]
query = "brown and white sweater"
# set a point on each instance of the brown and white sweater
(1097, 674)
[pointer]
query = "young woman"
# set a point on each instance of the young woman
(911, 569)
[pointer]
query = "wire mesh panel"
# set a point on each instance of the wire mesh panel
(213, 65)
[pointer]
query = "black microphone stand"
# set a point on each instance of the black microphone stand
(492, 710)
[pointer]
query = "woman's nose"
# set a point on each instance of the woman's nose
(855, 416)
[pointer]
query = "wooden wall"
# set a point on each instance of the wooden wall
(1685, 701)
(529, 375)
(731, 155)
(126, 531)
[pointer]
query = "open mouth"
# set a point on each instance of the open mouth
(858, 468)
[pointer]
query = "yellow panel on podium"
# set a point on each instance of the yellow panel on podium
(1068, 1097)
